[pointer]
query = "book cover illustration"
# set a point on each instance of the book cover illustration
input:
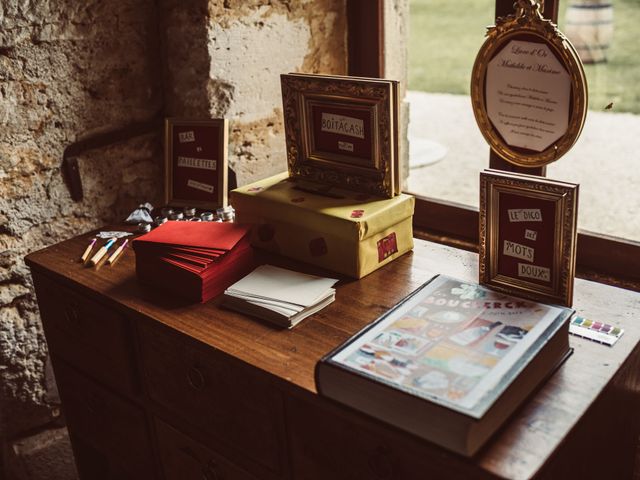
(455, 343)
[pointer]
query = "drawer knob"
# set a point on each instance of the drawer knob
(210, 471)
(195, 377)
(380, 464)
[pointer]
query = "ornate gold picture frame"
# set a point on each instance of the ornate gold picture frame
(523, 123)
(342, 132)
(528, 236)
(196, 164)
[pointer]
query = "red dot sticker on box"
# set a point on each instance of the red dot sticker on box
(387, 246)
(357, 213)
(318, 247)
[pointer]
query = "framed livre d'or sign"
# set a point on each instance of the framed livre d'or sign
(342, 132)
(196, 163)
(528, 236)
(528, 88)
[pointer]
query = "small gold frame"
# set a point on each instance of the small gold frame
(564, 198)
(217, 131)
(528, 23)
(375, 100)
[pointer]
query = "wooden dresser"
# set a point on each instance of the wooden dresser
(156, 388)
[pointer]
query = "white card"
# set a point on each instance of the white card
(269, 282)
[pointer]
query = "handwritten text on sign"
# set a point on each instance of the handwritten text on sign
(528, 93)
(340, 124)
(516, 250)
(535, 272)
(525, 215)
(200, 186)
(346, 146)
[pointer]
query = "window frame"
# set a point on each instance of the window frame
(602, 258)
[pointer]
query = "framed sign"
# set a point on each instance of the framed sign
(342, 131)
(196, 163)
(528, 236)
(528, 88)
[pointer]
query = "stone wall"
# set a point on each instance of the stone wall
(396, 34)
(249, 43)
(70, 70)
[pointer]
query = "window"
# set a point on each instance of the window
(603, 159)
(446, 146)
(455, 221)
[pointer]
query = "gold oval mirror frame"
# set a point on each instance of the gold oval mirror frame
(528, 27)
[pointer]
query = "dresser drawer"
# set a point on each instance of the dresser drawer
(183, 458)
(86, 334)
(92, 464)
(214, 394)
(330, 441)
(111, 425)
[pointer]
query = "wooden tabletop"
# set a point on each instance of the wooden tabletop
(519, 450)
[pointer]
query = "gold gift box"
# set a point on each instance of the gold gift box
(349, 233)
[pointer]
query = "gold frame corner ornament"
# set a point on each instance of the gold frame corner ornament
(528, 22)
(565, 196)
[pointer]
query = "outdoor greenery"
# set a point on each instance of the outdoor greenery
(445, 36)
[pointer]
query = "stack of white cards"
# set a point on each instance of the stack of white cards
(281, 296)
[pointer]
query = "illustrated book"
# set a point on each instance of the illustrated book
(449, 363)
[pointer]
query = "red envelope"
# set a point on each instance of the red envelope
(199, 235)
(197, 261)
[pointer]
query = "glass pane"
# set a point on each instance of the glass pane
(605, 159)
(446, 148)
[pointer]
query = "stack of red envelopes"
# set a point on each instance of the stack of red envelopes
(196, 260)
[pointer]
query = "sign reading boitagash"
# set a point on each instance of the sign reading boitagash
(341, 124)
(528, 94)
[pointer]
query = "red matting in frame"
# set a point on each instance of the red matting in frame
(538, 236)
(528, 234)
(196, 162)
(329, 120)
(342, 132)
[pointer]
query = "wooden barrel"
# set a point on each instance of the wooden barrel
(589, 26)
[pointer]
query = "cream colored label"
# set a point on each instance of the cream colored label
(200, 186)
(525, 215)
(342, 125)
(528, 95)
(346, 146)
(535, 272)
(530, 235)
(186, 137)
(516, 250)
(201, 163)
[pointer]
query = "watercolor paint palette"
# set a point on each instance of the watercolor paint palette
(596, 331)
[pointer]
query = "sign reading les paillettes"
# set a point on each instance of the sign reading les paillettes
(196, 162)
